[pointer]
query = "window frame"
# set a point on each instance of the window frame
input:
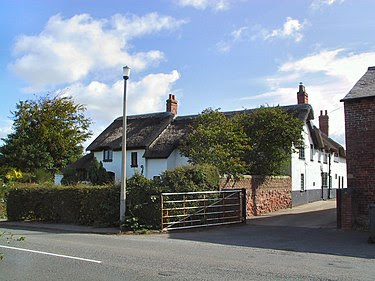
(107, 155)
(311, 152)
(301, 153)
(134, 159)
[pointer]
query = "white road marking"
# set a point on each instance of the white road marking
(49, 254)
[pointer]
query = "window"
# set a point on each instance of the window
(311, 152)
(107, 155)
(302, 182)
(302, 153)
(325, 157)
(324, 179)
(342, 182)
(336, 157)
(134, 160)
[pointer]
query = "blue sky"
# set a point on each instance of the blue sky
(224, 54)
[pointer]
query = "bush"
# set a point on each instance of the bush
(97, 174)
(82, 204)
(192, 178)
(69, 177)
(143, 203)
(42, 176)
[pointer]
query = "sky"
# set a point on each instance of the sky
(227, 54)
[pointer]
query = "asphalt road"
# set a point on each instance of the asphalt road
(256, 251)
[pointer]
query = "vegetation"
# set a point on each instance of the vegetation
(48, 133)
(99, 205)
(203, 177)
(217, 140)
(258, 142)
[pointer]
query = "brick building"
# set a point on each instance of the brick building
(359, 106)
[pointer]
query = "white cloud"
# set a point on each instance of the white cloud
(217, 5)
(240, 34)
(328, 77)
(5, 129)
(104, 102)
(68, 50)
(316, 4)
(292, 28)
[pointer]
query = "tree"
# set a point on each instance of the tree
(48, 133)
(218, 141)
(272, 134)
(253, 142)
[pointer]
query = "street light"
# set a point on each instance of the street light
(126, 73)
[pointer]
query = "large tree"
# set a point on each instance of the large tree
(273, 135)
(249, 142)
(48, 133)
(218, 141)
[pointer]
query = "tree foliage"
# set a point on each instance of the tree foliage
(48, 133)
(252, 142)
(218, 141)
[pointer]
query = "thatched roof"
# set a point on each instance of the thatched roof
(141, 131)
(82, 163)
(160, 133)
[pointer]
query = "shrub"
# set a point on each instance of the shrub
(65, 204)
(42, 176)
(97, 173)
(69, 177)
(192, 178)
(143, 202)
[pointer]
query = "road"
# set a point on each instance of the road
(256, 251)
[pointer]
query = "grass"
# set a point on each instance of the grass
(3, 212)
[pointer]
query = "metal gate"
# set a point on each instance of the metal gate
(199, 209)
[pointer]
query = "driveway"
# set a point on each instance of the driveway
(320, 214)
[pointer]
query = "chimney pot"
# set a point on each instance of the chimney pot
(324, 122)
(302, 96)
(172, 104)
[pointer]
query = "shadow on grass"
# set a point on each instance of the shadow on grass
(284, 233)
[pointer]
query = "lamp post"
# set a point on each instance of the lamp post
(126, 73)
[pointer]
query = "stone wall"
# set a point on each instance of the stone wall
(263, 194)
(360, 143)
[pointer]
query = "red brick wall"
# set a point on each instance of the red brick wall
(344, 209)
(360, 143)
(263, 194)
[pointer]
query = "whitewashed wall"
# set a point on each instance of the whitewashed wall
(313, 169)
(115, 165)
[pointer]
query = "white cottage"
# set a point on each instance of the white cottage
(153, 139)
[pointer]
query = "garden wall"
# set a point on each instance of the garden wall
(263, 194)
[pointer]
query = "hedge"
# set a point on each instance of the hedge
(191, 178)
(99, 205)
(88, 205)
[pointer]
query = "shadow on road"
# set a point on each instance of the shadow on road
(303, 232)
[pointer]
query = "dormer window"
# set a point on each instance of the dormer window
(107, 155)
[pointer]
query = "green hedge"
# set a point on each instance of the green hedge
(192, 178)
(82, 204)
(99, 205)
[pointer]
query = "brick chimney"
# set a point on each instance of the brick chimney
(302, 96)
(323, 122)
(172, 104)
